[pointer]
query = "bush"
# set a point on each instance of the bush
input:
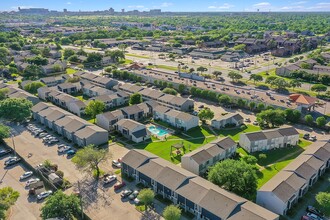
(262, 156)
(60, 174)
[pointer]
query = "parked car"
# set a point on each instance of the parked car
(315, 211)
(43, 134)
(247, 120)
(5, 152)
(44, 195)
(12, 162)
(26, 175)
(136, 201)
(116, 164)
(312, 216)
(133, 195)
(109, 179)
(31, 181)
(64, 149)
(126, 193)
(70, 152)
(313, 138)
(255, 123)
(52, 141)
(201, 106)
(306, 136)
(119, 185)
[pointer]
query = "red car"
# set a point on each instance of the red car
(119, 185)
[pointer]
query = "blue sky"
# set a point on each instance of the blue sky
(171, 5)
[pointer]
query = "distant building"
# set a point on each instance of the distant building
(155, 11)
(111, 11)
(33, 10)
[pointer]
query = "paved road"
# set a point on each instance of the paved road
(25, 207)
(105, 204)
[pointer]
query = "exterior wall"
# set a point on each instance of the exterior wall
(269, 201)
(187, 106)
(244, 142)
(190, 165)
(102, 122)
(72, 107)
(98, 138)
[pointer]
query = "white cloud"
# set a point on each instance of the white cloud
(262, 5)
(293, 8)
(166, 4)
(299, 3)
(68, 3)
(322, 6)
(222, 7)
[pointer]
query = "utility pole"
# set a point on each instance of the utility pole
(81, 203)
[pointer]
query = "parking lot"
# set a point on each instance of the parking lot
(103, 203)
(26, 207)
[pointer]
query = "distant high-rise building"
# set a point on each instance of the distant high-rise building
(155, 11)
(122, 10)
(33, 10)
(112, 11)
(65, 10)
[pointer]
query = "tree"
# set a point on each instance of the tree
(271, 117)
(234, 76)
(191, 70)
(260, 106)
(116, 55)
(57, 68)
(94, 108)
(15, 109)
(224, 100)
(73, 79)
(252, 105)
(249, 159)
(224, 174)
(295, 83)
(33, 87)
(323, 200)
(38, 60)
(292, 115)
(205, 114)
(73, 59)
(241, 103)
(60, 205)
(32, 71)
(89, 159)
(256, 78)
(270, 79)
(146, 196)
(172, 212)
(262, 156)
(319, 88)
(201, 69)
(122, 47)
(8, 197)
(135, 98)
(3, 93)
(309, 119)
(280, 83)
(217, 73)
(170, 91)
(4, 131)
(321, 121)
(240, 47)
(182, 88)
(94, 59)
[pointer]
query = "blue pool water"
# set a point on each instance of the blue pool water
(157, 131)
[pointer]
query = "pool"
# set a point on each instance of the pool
(158, 131)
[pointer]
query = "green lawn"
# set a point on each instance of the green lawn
(163, 148)
(273, 163)
(235, 132)
(70, 71)
(127, 61)
(136, 55)
(199, 137)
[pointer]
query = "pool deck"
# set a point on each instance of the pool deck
(168, 130)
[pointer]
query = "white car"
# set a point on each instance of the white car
(43, 134)
(44, 195)
(26, 175)
(116, 164)
(10, 159)
(136, 201)
(64, 149)
(110, 179)
(31, 181)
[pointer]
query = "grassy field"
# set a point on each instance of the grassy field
(70, 71)
(235, 132)
(137, 56)
(199, 137)
(127, 61)
(274, 162)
